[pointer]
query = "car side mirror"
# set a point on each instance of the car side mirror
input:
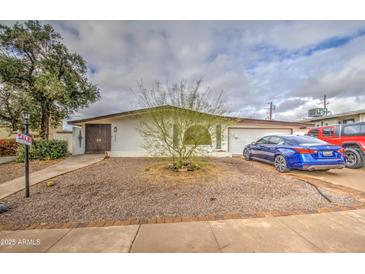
(253, 143)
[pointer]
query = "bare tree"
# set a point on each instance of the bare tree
(182, 121)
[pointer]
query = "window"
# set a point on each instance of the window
(263, 141)
(328, 131)
(218, 132)
(362, 130)
(351, 130)
(275, 140)
(314, 133)
(197, 135)
(305, 141)
(348, 121)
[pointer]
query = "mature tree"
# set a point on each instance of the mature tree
(182, 120)
(10, 108)
(37, 68)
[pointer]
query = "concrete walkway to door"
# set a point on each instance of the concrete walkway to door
(70, 164)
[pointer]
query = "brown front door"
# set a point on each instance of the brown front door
(98, 138)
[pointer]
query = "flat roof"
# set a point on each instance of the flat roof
(144, 110)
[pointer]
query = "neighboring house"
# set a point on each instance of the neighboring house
(340, 118)
(5, 134)
(117, 134)
(54, 134)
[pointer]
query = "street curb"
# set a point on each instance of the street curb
(174, 219)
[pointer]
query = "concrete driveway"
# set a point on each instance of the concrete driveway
(353, 178)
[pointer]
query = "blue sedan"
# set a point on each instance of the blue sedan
(288, 152)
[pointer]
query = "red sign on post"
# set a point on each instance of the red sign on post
(23, 139)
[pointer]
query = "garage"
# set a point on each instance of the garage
(238, 138)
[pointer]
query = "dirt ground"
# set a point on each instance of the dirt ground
(119, 188)
(14, 170)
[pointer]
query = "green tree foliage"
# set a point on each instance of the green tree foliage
(40, 75)
(182, 120)
(11, 105)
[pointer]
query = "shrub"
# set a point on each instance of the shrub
(185, 165)
(8, 147)
(44, 150)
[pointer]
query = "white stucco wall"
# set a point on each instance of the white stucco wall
(327, 122)
(65, 136)
(78, 148)
(127, 141)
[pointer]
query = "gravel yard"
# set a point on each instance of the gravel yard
(14, 170)
(119, 188)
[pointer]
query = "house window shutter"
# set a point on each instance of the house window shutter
(218, 129)
(175, 135)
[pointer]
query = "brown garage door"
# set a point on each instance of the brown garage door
(98, 138)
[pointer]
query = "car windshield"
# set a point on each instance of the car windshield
(306, 141)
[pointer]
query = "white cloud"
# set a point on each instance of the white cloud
(225, 54)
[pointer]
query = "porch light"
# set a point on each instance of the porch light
(115, 129)
(26, 116)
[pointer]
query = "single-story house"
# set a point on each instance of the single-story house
(339, 118)
(117, 134)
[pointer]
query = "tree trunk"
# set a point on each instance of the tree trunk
(45, 124)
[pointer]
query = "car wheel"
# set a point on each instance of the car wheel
(246, 155)
(353, 158)
(280, 164)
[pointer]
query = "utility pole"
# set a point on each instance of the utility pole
(270, 110)
(325, 104)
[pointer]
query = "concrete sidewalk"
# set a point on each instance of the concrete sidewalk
(7, 159)
(325, 232)
(70, 164)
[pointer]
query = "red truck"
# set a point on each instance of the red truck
(350, 136)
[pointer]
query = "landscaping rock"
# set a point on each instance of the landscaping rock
(3, 208)
(50, 183)
(121, 189)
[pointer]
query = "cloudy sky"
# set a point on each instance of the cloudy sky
(292, 63)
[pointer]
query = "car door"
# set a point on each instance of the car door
(314, 132)
(259, 147)
(271, 147)
(329, 134)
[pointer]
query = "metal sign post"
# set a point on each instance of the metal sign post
(26, 156)
(26, 140)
